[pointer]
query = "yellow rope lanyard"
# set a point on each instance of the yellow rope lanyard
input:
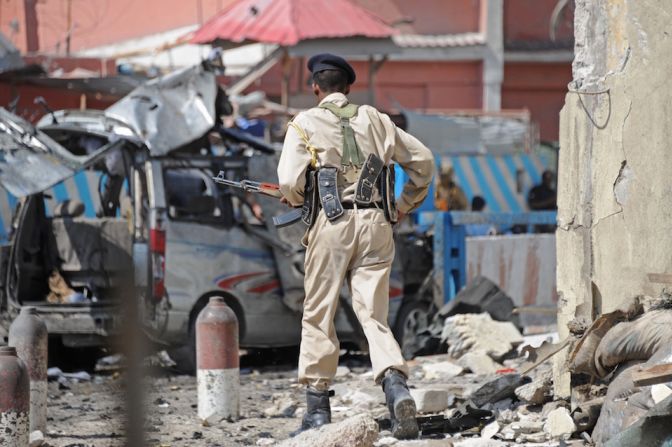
(312, 149)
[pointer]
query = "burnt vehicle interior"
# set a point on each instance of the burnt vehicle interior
(64, 253)
(91, 249)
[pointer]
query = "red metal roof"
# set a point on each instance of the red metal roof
(287, 22)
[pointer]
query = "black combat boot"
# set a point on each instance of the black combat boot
(318, 411)
(401, 405)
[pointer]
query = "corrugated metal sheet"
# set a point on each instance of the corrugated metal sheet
(439, 41)
(521, 265)
(287, 22)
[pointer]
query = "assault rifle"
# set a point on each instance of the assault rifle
(267, 189)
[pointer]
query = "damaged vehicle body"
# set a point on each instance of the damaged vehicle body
(153, 215)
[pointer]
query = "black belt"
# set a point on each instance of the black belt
(351, 206)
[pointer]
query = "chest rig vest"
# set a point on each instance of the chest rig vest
(321, 190)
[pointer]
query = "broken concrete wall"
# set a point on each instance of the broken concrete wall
(615, 176)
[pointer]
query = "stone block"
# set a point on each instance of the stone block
(559, 424)
(479, 362)
(430, 400)
(479, 332)
(536, 392)
(357, 431)
(441, 370)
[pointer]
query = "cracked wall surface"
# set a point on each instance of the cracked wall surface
(615, 173)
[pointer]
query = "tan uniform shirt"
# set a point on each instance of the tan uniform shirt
(374, 132)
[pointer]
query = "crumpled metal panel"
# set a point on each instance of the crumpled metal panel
(170, 111)
(30, 161)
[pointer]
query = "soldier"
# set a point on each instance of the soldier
(337, 163)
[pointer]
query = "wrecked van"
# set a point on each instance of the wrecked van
(154, 217)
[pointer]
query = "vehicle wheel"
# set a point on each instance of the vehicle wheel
(414, 316)
(185, 356)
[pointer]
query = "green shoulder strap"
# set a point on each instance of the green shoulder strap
(351, 153)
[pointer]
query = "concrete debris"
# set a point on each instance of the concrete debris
(478, 442)
(559, 424)
(536, 392)
(55, 373)
(527, 427)
(507, 416)
(283, 406)
(478, 362)
(342, 371)
(479, 332)
(362, 399)
(265, 441)
(550, 406)
(425, 443)
(532, 437)
(357, 431)
(660, 392)
(36, 439)
(385, 441)
(430, 400)
(586, 413)
(441, 370)
(652, 429)
(498, 389)
(481, 295)
(537, 356)
(490, 430)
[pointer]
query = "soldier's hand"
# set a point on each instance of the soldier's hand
(400, 216)
(258, 212)
(284, 200)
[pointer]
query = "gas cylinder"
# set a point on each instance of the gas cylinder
(217, 363)
(14, 399)
(28, 334)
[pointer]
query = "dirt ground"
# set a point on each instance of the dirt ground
(92, 413)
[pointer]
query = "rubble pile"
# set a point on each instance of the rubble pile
(628, 354)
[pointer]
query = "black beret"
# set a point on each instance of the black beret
(326, 61)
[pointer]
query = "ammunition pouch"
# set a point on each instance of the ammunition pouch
(310, 197)
(386, 188)
(328, 190)
(368, 178)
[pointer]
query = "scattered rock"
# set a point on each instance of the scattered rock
(559, 424)
(342, 371)
(553, 406)
(479, 332)
(490, 430)
(498, 389)
(385, 441)
(363, 400)
(507, 416)
(536, 392)
(527, 427)
(660, 392)
(430, 400)
(478, 442)
(36, 438)
(265, 441)
(479, 363)
(283, 406)
(533, 437)
(441, 370)
(357, 431)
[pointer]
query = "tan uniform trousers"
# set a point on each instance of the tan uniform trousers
(357, 247)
